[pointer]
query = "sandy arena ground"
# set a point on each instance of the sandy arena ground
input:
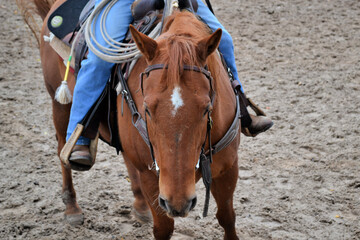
(300, 60)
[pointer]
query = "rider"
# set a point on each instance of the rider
(95, 72)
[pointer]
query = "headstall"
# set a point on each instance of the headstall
(205, 158)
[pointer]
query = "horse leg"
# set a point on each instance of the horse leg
(163, 225)
(141, 210)
(73, 213)
(223, 188)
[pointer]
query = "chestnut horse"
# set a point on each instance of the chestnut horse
(175, 102)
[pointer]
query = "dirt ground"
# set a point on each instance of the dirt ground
(298, 59)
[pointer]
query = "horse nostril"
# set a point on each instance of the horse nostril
(181, 212)
(162, 203)
(193, 203)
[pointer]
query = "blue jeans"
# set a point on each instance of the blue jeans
(95, 72)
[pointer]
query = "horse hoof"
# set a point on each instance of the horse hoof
(143, 217)
(75, 219)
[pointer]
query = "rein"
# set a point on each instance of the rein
(205, 158)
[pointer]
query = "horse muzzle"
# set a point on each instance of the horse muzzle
(179, 211)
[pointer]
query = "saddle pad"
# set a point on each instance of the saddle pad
(65, 18)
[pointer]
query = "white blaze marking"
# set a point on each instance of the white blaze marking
(176, 100)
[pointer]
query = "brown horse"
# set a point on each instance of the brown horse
(176, 101)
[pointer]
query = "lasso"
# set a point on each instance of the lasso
(118, 52)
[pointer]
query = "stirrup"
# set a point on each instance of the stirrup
(246, 132)
(259, 112)
(255, 108)
(70, 144)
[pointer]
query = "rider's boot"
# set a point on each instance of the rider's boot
(258, 125)
(252, 125)
(80, 158)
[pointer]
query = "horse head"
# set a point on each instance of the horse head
(177, 103)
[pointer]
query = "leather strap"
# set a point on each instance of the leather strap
(137, 120)
(185, 67)
(230, 134)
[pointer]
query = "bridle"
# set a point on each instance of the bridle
(205, 158)
(202, 70)
(207, 74)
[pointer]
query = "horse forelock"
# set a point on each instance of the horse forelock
(183, 31)
(179, 51)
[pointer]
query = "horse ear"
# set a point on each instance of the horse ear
(146, 45)
(209, 44)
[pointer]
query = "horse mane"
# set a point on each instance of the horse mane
(181, 44)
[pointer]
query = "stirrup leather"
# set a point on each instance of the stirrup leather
(255, 108)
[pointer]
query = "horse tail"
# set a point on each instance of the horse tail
(30, 9)
(43, 7)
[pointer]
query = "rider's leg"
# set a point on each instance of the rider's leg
(90, 83)
(226, 45)
(95, 72)
(255, 124)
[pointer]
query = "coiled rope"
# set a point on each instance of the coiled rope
(117, 52)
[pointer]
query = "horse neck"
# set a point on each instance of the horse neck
(186, 23)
